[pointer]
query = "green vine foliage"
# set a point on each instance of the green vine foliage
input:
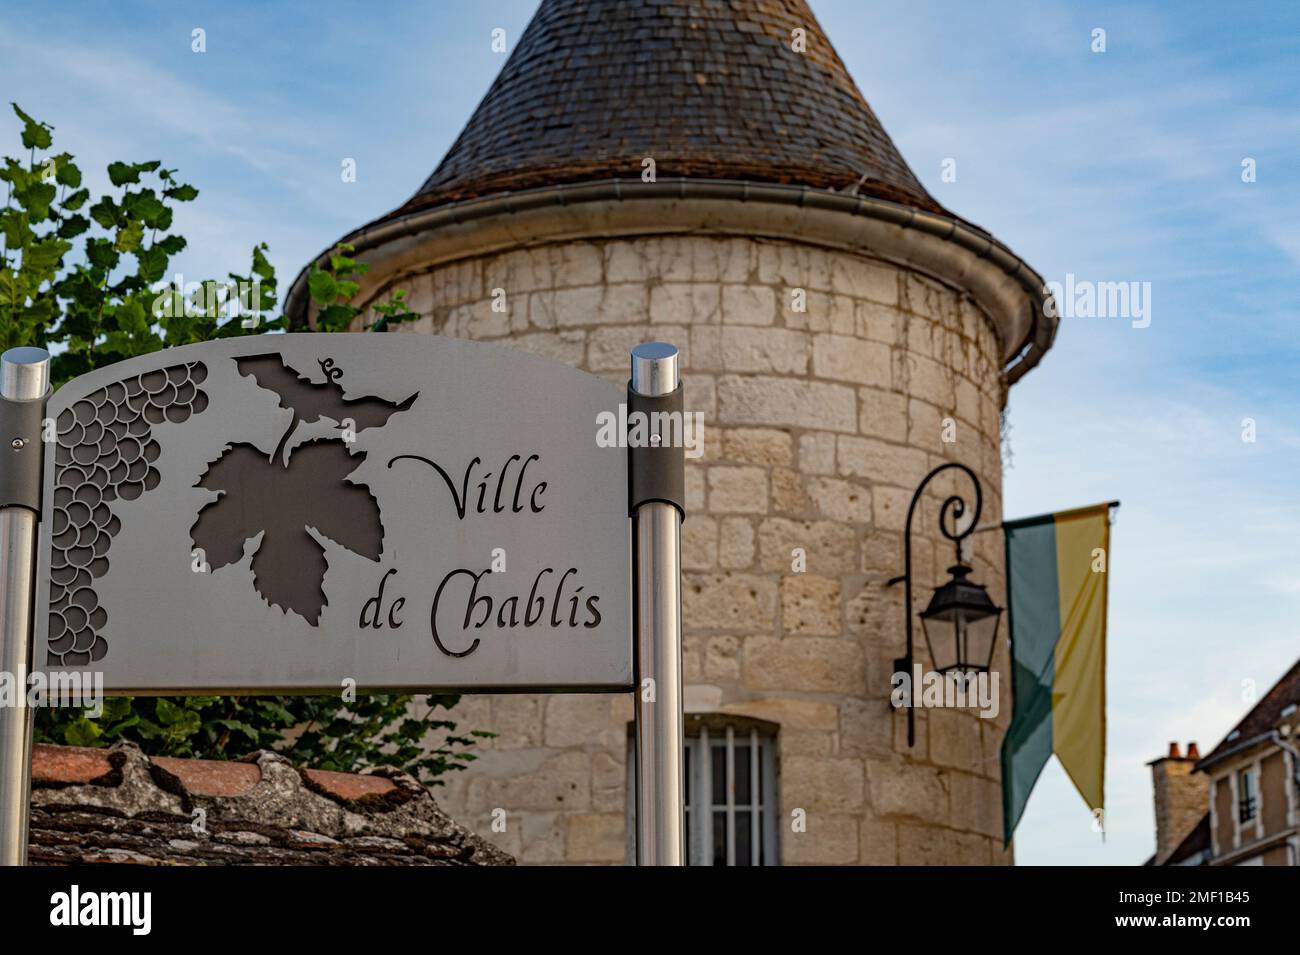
(85, 277)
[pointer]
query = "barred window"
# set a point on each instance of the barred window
(731, 800)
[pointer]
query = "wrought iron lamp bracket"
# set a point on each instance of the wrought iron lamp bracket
(951, 515)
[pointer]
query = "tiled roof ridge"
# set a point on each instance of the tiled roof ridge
(117, 804)
(1262, 717)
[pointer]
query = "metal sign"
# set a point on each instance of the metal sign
(290, 512)
(316, 512)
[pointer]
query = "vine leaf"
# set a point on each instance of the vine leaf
(284, 504)
(310, 401)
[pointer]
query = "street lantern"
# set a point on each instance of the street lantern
(961, 622)
(961, 625)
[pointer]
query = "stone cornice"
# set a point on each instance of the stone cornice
(949, 250)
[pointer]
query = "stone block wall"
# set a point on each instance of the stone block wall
(830, 384)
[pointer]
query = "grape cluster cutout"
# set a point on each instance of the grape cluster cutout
(105, 452)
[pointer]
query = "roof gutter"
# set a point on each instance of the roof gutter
(1270, 737)
(1021, 357)
(1295, 757)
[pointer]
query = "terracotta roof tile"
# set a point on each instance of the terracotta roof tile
(120, 806)
(347, 786)
(69, 765)
(207, 777)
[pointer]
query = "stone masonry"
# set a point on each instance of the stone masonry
(829, 382)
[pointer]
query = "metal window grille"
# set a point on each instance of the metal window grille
(1247, 807)
(1246, 802)
(730, 796)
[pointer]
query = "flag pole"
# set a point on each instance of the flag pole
(998, 525)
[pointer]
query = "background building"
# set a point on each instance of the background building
(706, 173)
(1240, 805)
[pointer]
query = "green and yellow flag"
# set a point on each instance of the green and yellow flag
(1056, 595)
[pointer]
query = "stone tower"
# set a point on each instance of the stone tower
(705, 172)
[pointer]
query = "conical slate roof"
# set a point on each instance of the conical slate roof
(710, 89)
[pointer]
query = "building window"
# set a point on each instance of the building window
(1247, 803)
(731, 791)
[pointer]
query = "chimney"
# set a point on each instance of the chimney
(1181, 798)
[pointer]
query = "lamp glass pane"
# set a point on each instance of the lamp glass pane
(981, 638)
(941, 635)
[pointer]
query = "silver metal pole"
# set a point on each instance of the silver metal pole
(660, 781)
(24, 376)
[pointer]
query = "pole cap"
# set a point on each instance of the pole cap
(24, 373)
(655, 369)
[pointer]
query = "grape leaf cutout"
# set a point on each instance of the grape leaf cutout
(310, 401)
(285, 503)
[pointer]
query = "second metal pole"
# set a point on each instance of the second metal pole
(24, 376)
(660, 754)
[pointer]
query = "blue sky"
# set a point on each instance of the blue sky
(1115, 166)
